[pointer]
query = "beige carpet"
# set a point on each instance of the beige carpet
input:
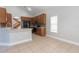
(42, 45)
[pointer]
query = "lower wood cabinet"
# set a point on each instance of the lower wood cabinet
(41, 31)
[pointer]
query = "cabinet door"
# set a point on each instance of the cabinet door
(43, 31)
(2, 15)
(43, 19)
(9, 20)
(38, 32)
(33, 20)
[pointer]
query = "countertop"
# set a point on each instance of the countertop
(15, 30)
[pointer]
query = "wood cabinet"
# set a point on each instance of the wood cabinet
(9, 20)
(41, 18)
(41, 31)
(24, 18)
(2, 15)
(26, 22)
(33, 20)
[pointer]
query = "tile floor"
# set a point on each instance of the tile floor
(42, 45)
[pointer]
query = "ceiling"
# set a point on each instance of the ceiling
(34, 10)
(41, 9)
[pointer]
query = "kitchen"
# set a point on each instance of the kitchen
(16, 30)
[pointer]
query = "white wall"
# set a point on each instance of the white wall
(68, 22)
(16, 11)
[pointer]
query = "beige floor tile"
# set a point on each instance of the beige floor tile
(42, 45)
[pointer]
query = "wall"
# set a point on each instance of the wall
(16, 11)
(68, 22)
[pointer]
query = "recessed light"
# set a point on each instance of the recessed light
(29, 9)
(16, 17)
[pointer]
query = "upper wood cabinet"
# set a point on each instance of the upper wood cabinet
(33, 20)
(9, 20)
(41, 19)
(24, 18)
(2, 15)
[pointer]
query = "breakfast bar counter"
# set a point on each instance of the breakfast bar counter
(10, 37)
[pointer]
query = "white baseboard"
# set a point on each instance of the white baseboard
(64, 40)
(14, 43)
(19, 42)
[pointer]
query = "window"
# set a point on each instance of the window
(53, 24)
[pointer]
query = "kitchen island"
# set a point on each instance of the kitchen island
(10, 37)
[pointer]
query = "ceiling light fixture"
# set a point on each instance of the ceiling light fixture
(29, 9)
